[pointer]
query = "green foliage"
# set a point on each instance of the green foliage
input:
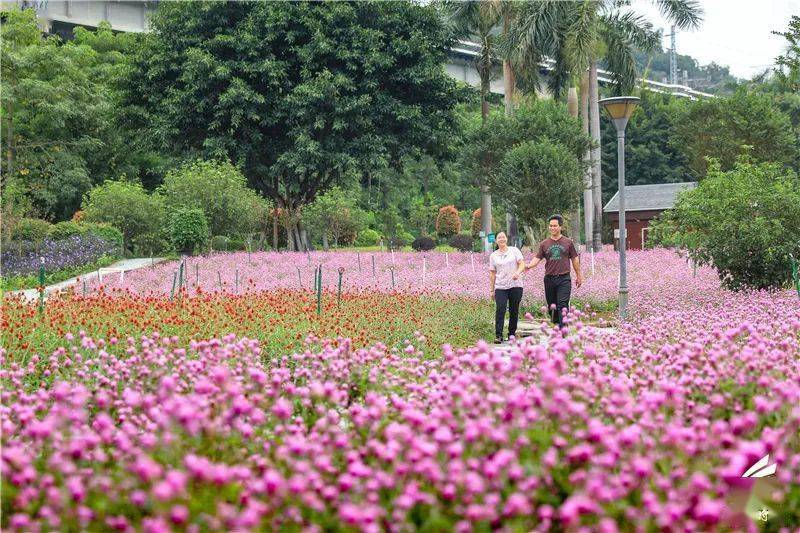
(744, 221)
(59, 134)
(422, 215)
(300, 95)
(107, 232)
(334, 215)
(220, 190)
(367, 237)
(31, 229)
(539, 178)
(463, 242)
(448, 223)
(188, 228)
(67, 228)
(220, 243)
(648, 158)
(787, 72)
(127, 207)
(544, 123)
(423, 244)
(724, 128)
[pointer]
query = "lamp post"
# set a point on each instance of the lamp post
(620, 109)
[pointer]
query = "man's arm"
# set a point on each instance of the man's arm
(576, 264)
(535, 261)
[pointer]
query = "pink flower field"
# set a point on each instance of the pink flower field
(654, 276)
(647, 428)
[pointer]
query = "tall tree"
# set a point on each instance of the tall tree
(476, 19)
(299, 95)
(57, 109)
(610, 31)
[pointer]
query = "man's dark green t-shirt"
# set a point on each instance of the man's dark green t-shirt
(557, 255)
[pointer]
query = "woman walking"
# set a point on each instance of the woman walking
(506, 265)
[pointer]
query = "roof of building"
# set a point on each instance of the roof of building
(655, 197)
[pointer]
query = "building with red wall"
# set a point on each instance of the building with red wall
(643, 203)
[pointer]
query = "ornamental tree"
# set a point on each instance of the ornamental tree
(299, 95)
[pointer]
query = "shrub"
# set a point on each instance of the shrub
(462, 242)
(31, 229)
(423, 244)
(152, 243)
(367, 237)
(745, 222)
(220, 190)
(107, 232)
(220, 243)
(78, 216)
(127, 207)
(448, 222)
(188, 229)
(401, 239)
(538, 178)
(475, 226)
(62, 230)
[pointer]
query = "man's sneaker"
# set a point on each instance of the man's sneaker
(498, 340)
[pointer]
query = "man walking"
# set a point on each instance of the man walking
(557, 251)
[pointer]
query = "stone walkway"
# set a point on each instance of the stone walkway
(532, 329)
(124, 265)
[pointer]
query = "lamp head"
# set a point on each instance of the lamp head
(620, 109)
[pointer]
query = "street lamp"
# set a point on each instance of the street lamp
(620, 109)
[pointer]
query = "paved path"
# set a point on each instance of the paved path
(124, 265)
(532, 328)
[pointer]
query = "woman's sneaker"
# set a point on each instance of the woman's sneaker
(498, 340)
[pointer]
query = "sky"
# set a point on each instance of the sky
(735, 33)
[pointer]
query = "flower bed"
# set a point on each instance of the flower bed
(24, 258)
(651, 275)
(653, 427)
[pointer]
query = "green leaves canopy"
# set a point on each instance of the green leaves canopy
(744, 221)
(299, 95)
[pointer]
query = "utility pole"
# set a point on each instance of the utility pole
(673, 58)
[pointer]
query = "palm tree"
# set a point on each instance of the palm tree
(584, 32)
(601, 29)
(478, 20)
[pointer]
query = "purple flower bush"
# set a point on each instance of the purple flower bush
(24, 258)
(650, 428)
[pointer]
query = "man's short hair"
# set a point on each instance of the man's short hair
(559, 218)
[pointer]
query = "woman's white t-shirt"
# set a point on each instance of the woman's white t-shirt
(505, 264)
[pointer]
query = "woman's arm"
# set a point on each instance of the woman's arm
(492, 277)
(520, 269)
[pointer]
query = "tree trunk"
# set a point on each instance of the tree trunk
(486, 197)
(508, 87)
(325, 240)
(594, 126)
(508, 98)
(289, 238)
(303, 236)
(575, 215)
(275, 229)
(588, 202)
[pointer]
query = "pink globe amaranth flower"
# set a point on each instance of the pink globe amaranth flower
(178, 514)
(576, 505)
(709, 512)
(282, 409)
